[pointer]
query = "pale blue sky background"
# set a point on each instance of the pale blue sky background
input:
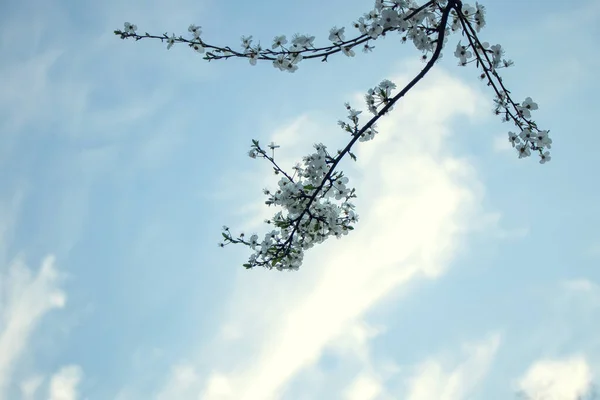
(470, 274)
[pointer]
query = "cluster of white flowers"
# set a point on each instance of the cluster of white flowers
(310, 197)
(490, 59)
(496, 51)
(310, 215)
(472, 15)
(379, 95)
(530, 138)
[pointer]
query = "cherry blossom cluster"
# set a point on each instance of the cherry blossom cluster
(310, 216)
(489, 59)
(315, 198)
(312, 212)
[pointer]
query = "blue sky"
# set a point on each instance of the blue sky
(470, 275)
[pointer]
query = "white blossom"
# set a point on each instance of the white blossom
(198, 47)
(278, 41)
(523, 150)
(130, 28)
(347, 50)
(253, 57)
(246, 42)
(545, 157)
(462, 53)
(468, 10)
(514, 139)
(195, 30)
(171, 41)
(336, 35)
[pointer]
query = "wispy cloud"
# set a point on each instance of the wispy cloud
(183, 383)
(29, 387)
(64, 384)
(582, 286)
(435, 382)
(501, 144)
(364, 387)
(26, 298)
(586, 291)
(557, 379)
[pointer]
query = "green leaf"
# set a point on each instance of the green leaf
(275, 261)
(352, 156)
(309, 187)
(225, 236)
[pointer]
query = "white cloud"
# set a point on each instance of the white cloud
(434, 382)
(218, 386)
(416, 201)
(582, 286)
(501, 144)
(183, 383)
(354, 340)
(30, 386)
(557, 379)
(27, 91)
(63, 384)
(587, 291)
(25, 299)
(364, 387)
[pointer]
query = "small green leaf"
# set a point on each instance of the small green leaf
(275, 261)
